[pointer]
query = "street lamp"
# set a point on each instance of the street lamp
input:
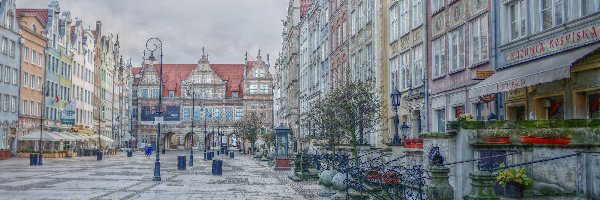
(193, 115)
(404, 129)
(152, 45)
(396, 102)
(99, 153)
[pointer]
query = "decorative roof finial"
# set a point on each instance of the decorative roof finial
(204, 58)
(246, 55)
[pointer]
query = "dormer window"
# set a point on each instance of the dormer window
(171, 93)
(234, 94)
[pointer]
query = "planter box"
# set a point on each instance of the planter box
(414, 145)
(71, 154)
(50, 155)
(390, 178)
(497, 140)
(5, 154)
(541, 140)
(23, 154)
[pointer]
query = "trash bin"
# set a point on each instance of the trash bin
(181, 162)
(33, 159)
(129, 153)
(231, 154)
(209, 155)
(98, 155)
(217, 167)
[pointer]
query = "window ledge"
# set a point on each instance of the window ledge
(456, 71)
(479, 64)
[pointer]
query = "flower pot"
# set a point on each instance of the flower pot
(5, 154)
(513, 190)
(541, 140)
(390, 178)
(372, 176)
(497, 140)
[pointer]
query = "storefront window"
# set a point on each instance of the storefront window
(441, 120)
(517, 113)
(594, 105)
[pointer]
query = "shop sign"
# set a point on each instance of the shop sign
(557, 43)
(510, 85)
(68, 114)
(482, 75)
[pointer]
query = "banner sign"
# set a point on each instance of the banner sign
(170, 115)
(68, 114)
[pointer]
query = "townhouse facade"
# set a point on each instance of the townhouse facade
(10, 66)
(33, 67)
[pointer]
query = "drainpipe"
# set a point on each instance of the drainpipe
(426, 81)
(494, 59)
(16, 142)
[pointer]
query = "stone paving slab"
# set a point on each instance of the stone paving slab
(120, 177)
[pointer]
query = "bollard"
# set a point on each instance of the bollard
(181, 162)
(39, 160)
(217, 167)
(231, 154)
(99, 155)
(441, 188)
(209, 156)
(204, 156)
(129, 153)
(33, 159)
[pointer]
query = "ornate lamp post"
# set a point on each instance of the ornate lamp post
(152, 45)
(193, 93)
(404, 129)
(99, 153)
(396, 102)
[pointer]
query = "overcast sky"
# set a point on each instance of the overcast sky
(226, 28)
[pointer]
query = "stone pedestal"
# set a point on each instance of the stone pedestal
(440, 187)
(483, 186)
(282, 164)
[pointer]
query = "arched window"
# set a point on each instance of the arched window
(10, 21)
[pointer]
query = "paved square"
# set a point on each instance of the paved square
(120, 177)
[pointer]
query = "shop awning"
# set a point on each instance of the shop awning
(543, 70)
(46, 136)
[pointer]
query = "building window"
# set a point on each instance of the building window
(518, 19)
(590, 6)
(457, 49)
(4, 45)
(369, 10)
(479, 40)
(264, 89)
(24, 111)
(171, 93)
(144, 93)
(234, 94)
(418, 65)
(405, 70)
(13, 47)
(13, 104)
(229, 114)
(439, 57)
(436, 5)
(551, 13)
(25, 79)
(26, 55)
(31, 108)
(253, 89)
(15, 76)
(393, 23)
(134, 93)
(353, 22)
(594, 106)
(370, 72)
(361, 16)
(155, 93)
(404, 18)
(441, 120)
(6, 102)
(394, 72)
(417, 13)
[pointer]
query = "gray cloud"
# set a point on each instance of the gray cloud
(226, 28)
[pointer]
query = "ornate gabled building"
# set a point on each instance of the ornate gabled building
(221, 93)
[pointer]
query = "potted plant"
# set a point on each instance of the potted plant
(513, 180)
(373, 174)
(497, 136)
(413, 143)
(465, 117)
(547, 136)
(390, 178)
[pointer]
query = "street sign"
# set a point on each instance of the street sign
(159, 119)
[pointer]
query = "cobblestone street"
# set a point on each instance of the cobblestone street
(119, 177)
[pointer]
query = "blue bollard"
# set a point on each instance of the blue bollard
(181, 162)
(129, 153)
(231, 154)
(98, 155)
(204, 156)
(33, 159)
(217, 167)
(209, 156)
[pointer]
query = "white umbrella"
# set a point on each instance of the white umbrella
(35, 136)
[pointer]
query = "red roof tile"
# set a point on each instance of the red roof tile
(42, 14)
(173, 74)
